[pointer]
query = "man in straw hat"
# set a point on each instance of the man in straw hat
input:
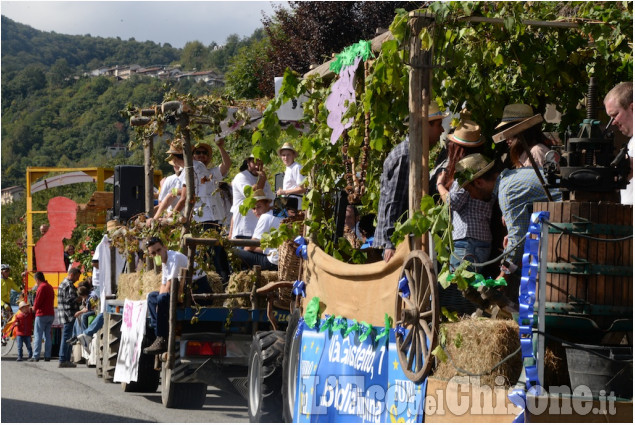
(516, 191)
(203, 152)
(292, 182)
(471, 212)
(619, 106)
(251, 174)
(393, 197)
(256, 256)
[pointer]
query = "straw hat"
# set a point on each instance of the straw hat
(434, 113)
(259, 195)
(471, 168)
(467, 134)
(175, 149)
(288, 147)
(515, 112)
(204, 146)
(24, 304)
(111, 225)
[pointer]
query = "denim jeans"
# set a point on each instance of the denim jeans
(81, 323)
(43, 330)
(26, 340)
(251, 259)
(95, 326)
(159, 310)
(65, 348)
(472, 250)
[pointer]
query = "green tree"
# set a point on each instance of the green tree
(246, 68)
(195, 56)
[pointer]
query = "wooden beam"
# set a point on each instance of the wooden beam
(544, 24)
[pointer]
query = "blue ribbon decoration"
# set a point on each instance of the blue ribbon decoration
(400, 330)
(298, 288)
(526, 300)
(301, 249)
(404, 288)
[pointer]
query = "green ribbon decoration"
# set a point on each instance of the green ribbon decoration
(328, 324)
(368, 329)
(339, 323)
(479, 280)
(312, 311)
(387, 326)
(353, 327)
(348, 55)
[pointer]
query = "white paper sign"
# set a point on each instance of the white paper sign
(133, 327)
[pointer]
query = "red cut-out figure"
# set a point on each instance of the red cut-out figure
(49, 249)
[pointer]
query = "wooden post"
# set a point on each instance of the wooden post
(113, 269)
(174, 294)
(189, 174)
(420, 62)
(148, 147)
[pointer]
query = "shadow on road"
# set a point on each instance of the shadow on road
(25, 411)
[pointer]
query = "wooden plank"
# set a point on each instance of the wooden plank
(596, 284)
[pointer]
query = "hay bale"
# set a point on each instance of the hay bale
(136, 286)
(476, 346)
(243, 282)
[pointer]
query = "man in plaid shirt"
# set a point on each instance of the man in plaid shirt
(67, 306)
(393, 193)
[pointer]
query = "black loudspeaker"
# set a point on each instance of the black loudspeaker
(129, 198)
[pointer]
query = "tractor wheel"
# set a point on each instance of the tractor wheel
(181, 395)
(112, 339)
(99, 366)
(265, 377)
(290, 366)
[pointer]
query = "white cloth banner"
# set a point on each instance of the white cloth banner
(133, 327)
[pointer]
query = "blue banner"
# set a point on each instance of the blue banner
(343, 379)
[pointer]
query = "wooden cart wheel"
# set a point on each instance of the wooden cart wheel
(418, 314)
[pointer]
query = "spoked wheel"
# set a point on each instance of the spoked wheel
(7, 340)
(418, 315)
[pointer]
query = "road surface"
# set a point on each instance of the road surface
(41, 392)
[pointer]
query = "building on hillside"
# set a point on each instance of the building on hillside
(210, 78)
(12, 194)
(117, 149)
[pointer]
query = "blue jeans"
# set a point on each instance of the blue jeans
(159, 310)
(95, 326)
(251, 259)
(81, 323)
(159, 306)
(472, 250)
(26, 340)
(65, 348)
(43, 330)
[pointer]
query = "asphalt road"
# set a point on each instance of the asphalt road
(41, 392)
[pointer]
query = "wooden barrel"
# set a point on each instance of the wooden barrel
(588, 272)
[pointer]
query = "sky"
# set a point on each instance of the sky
(159, 21)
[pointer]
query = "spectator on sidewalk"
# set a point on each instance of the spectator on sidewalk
(67, 306)
(24, 329)
(44, 310)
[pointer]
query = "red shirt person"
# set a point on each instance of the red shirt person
(44, 317)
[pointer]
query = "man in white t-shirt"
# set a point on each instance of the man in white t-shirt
(171, 263)
(169, 192)
(267, 259)
(292, 183)
(619, 106)
(252, 174)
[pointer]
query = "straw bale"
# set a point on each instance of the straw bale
(476, 346)
(136, 286)
(242, 282)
